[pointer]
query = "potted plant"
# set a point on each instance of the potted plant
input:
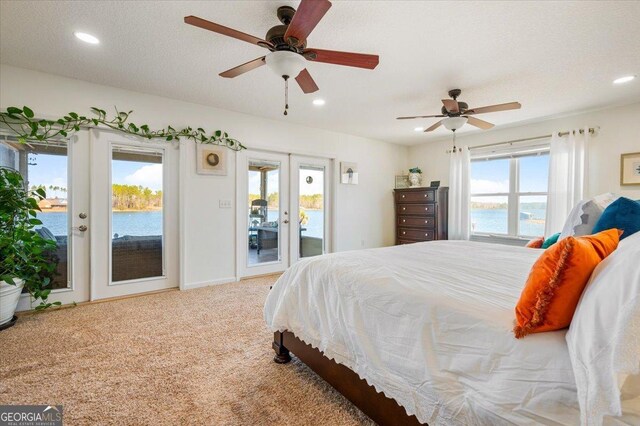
(25, 256)
(415, 176)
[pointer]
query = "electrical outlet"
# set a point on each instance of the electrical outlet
(225, 204)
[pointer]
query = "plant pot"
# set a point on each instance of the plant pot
(415, 179)
(9, 297)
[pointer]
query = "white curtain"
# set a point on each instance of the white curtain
(567, 177)
(459, 182)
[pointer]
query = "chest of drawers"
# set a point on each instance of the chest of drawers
(421, 214)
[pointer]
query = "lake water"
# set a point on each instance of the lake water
(314, 227)
(150, 223)
(495, 221)
(123, 223)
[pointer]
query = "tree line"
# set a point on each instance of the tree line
(135, 197)
(313, 202)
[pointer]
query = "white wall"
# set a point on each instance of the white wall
(619, 133)
(364, 212)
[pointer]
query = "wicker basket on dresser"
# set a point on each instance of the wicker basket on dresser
(421, 214)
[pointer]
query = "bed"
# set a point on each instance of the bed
(426, 326)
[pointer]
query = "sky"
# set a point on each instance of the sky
(52, 170)
(492, 176)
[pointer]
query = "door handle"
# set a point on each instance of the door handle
(285, 221)
(81, 228)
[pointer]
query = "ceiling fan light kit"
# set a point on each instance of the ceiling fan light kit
(456, 114)
(454, 123)
(284, 62)
(288, 46)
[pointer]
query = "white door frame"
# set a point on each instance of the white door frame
(78, 242)
(296, 161)
(102, 144)
(288, 184)
(242, 220)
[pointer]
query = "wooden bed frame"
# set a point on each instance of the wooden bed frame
(384, 411)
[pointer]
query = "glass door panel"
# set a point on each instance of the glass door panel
(60, 168)
(263, 212)
(311, 214)
(134, 220)
(136, 215)
(310, 203)
(45, 166)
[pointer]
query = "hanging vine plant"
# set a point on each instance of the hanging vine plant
(23, 123)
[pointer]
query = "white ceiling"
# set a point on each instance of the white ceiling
(555, 58)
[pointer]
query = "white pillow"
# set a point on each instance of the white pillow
(585, 214)
(604, 338)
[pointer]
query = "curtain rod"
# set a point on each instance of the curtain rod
(592, 131)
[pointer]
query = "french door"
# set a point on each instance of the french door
(283, 210)
(61, 168)
(111, 207)
(134, 221)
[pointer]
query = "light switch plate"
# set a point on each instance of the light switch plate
(225, 204)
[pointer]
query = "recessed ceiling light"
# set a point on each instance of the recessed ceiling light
(419, 129)
(318, 102)
(87, 38)
(625, 79)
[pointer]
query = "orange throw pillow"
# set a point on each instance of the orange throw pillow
(536, 242)
(557, 279)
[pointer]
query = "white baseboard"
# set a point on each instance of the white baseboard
(208, 283)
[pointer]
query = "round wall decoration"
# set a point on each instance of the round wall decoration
(213, 159)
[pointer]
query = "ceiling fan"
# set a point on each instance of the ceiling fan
(287, 44)
(458, 113)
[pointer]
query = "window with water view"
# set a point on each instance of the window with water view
(509, 195)
(45, 166)
(136, 215)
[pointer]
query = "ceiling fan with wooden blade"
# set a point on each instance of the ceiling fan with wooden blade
(458, 113)
(287, 44)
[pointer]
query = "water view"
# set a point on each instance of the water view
(123, 223)
(494, 221)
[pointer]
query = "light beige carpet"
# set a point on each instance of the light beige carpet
(197, 357)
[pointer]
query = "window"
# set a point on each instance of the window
(509, 193)
(44, 165)
(137, 213)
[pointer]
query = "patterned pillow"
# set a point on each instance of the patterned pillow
(585, 215)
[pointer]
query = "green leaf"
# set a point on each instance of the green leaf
(73, 115)
(28, 112)
(14, 110)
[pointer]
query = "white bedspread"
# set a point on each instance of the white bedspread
(429, 324)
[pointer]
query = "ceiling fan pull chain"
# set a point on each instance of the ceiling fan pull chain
(454, 141)
(286, 94)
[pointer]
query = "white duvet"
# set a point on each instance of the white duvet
(429, 324)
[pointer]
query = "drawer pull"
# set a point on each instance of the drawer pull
(402, 195)
(426, 235)
(425, 195)
(404, 233)
(426, 221)
(404, 208)
(426, 208)
(403, 221)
